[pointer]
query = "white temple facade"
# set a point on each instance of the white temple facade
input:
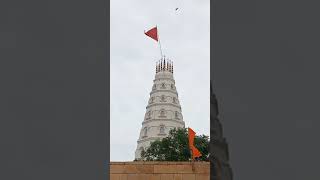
(163, 111)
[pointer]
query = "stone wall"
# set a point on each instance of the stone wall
(159, 170)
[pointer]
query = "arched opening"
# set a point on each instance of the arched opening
(163, 98)
(145, 132)
(176, 114)
(163, 86)
(174, 100)
(162, 113)
(161, 130)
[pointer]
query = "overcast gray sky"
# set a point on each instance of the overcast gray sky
(185, 39)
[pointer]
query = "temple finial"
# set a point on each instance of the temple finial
(156, 67)
(172, 67)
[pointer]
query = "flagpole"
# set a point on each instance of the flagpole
(192, 160)
(159, 43)
(160, 48)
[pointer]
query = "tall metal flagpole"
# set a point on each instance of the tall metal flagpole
(159, 43)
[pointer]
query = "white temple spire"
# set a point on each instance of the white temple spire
(163, 111)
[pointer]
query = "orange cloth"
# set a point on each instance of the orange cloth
(153, 33)
(195, 152)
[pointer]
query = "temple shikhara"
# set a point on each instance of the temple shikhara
(163, 111)
(219, 167)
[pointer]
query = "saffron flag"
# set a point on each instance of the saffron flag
(153, 33)
(195, 152)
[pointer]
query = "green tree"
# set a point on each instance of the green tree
(175, 147)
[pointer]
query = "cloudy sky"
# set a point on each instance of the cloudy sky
(185, 39)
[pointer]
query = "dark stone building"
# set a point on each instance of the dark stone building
(220, 168)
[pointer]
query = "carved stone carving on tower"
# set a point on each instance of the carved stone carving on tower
(163, 111)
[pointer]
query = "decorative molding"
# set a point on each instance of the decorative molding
(163, 98)
(162, 134)
(164, 78)
(174, 100)
(173, 87)
(167, 104)
(162, 120)
(164, 90)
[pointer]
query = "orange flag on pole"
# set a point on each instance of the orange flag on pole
(153, 33)
(195, 152)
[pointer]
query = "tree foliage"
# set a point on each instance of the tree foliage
(175, 147)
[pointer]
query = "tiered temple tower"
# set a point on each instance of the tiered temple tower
(163, 111)
(220, 167)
